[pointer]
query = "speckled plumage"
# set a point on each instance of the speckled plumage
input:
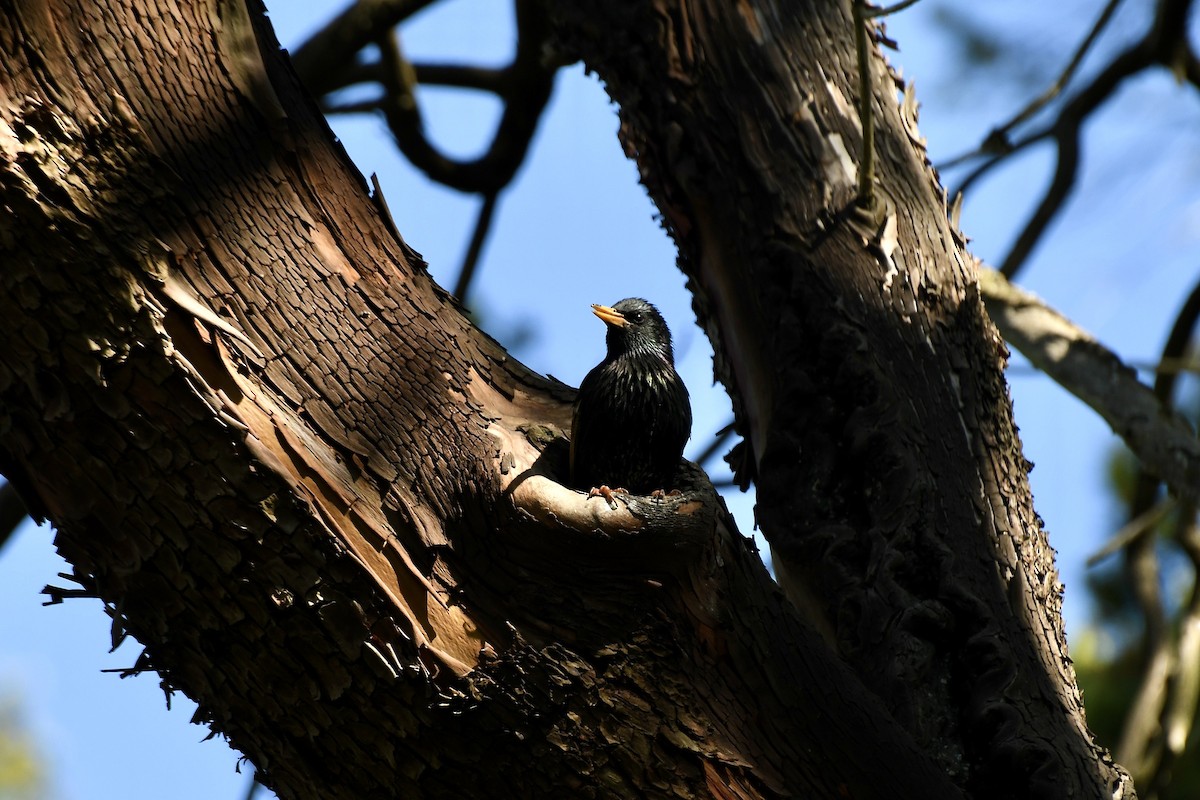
(633, 416)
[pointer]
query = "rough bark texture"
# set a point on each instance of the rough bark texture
(323, 501)
(866, 376)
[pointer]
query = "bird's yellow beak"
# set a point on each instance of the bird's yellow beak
(610, 315)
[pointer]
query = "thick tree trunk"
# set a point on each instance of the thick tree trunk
(866, 376)
(325, 503)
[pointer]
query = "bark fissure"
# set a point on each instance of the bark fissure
(326, 504)
(916, 550)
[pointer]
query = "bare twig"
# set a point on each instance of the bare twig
(526, 91)
(329, 53)
(483, 224)
(484, 79)
(1060, 188)
(1163, 45)
(866, 167)
(872, 13)
(997, 139)
(1068, 72)
(1137, 526)
(714, 447)
(998, 158)
(459, 76)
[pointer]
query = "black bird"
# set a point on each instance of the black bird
(632, 416)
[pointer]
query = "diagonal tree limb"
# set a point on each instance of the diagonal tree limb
(1075, 360)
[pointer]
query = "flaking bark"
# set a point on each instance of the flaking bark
(325, 503)
(865, 374)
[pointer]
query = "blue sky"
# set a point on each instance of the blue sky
(577, 225)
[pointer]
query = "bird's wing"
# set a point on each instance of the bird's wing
(579, 427)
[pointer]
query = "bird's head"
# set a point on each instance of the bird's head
(635, 327)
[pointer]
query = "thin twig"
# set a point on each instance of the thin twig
(527, 90)
(866, 169)
(483, 224)
(1140, 524)
(997, 139)
(329, 52)
(1057, 193)
(1056, 88)
(716, 444)
(998, 159)
(458, 76)
(872, 13)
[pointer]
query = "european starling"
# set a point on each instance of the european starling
(632, 415)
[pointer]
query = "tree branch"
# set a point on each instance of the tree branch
(872, 13)
(483, 224)
(1075, 360)
(801, 305)
(1164, 44)
(1067, 138)
(531, 83)
(459, 76)
(328, 55)
(1142, 743)
(1179, 712)
(997, 139)
(722, 437)
(1138, 526)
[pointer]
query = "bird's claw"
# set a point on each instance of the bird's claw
(660, 494)
(608, 494)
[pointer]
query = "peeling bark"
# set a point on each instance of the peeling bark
(325, 503)
(865, 374)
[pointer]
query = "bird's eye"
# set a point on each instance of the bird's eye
(636, 317)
